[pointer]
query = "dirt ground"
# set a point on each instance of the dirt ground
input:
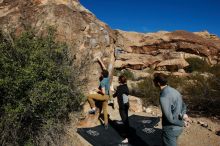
(195, 135)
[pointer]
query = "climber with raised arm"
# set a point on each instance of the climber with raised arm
(101, 95)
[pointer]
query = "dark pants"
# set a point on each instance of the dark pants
(123, 110)
(170, 137)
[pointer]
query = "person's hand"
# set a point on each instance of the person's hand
(187, 120)
(112, 88)
(186, 124)
(99, 91)
(95, 91)
(185, 116)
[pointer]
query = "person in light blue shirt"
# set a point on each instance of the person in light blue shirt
(101, 95)
(174, 116)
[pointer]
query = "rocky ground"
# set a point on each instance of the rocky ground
(201, 135)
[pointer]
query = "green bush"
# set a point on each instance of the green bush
(39, 88)
(200, 90)
(197, 64)
(203, 90)
(116, 72)
(128, 74)
(148, 92)
(203, 93)
(215, 70)
(178, 82)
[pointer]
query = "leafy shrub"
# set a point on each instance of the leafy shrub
(38, 88)
(203, 90)
(147, 91)
(178, 82)
(150, 94)
(197, 64)
(128, 74)
(116, 72)
(197, 86)
(149, 70)
(215, 69)
(203, 93)
(200, 90)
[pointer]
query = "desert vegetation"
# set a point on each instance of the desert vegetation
(128, 74)
(200, 89)
(39, 87)
(197, 64)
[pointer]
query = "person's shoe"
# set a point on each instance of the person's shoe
(119, 122)
(111, 103)
(125, 140)
(106, 126)
(92, 111)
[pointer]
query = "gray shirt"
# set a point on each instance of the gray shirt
(172, 107)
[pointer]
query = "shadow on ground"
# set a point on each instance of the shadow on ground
(142, 133)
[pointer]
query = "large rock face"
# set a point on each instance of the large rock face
(87, 36)
(151, 48)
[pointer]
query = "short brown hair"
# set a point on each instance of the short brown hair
(122, 79)
(160, 78)
(105, 73)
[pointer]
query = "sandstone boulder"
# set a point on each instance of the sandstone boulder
(153, 110)
(135, 104)
(89, 121)
(129, 64)
(74, 24)
(179, 62)
(172, 42)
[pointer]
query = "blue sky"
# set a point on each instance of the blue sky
(155, 15)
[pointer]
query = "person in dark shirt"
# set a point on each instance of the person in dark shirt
(122, 93)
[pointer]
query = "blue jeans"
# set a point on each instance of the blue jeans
(170, 137)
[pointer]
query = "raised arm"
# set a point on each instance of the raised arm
(102, 64)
